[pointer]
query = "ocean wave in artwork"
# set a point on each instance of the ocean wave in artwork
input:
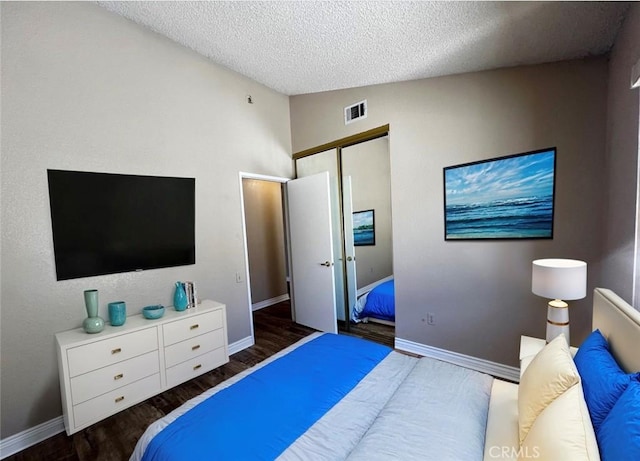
(525, 217)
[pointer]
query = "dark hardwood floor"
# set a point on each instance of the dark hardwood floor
(376, 332)
(114, 438)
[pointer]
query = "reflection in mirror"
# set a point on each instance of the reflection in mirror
(366, 166)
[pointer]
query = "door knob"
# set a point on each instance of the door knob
(326, 264)
(349, 258)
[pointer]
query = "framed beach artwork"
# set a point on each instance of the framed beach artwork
(364, 228)
(502, 198)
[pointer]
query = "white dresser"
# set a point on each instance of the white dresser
(104, 373)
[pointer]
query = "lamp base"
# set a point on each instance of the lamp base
(557, 320)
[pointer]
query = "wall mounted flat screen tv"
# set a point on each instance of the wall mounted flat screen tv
(109, 223)
(509, 197)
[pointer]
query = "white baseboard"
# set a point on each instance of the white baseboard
(270, 302)
(240, 345)
(485, 366)
(25, 439)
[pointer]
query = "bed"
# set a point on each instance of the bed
(376, 303)
(619, 324)
(334, 397)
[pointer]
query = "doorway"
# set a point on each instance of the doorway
(309, 260)
(374, 257)
(266, 273)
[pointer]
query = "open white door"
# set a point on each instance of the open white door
(311, 243)
(349, 246)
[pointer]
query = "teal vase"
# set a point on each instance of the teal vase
(117, 313)
(180, 297)
(93, 323)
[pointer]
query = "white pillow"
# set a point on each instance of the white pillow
(563, 431)
(549, 374)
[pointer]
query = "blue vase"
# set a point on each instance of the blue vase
(93, 323)
(117, 313)
(180, 297)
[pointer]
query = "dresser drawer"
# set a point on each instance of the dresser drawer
(89, 357)
(195, 367)
(112, 402)
(193, 347)
(190, 327)
(103, 380)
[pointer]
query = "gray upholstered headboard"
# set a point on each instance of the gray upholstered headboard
(620, 324)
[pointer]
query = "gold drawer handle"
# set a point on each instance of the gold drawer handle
(117, 377)
(196, 347)
(193, 327)
(119, 399)
(197, 367)
(116, 351)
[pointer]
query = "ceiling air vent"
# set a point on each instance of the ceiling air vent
(355, 112)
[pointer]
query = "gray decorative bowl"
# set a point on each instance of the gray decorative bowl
(153, 312)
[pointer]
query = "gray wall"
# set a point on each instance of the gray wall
(84, 89)
(622, 164)
(480, 292)
(368, 165)
(265, 239)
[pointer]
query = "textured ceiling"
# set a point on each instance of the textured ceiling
(310, 46)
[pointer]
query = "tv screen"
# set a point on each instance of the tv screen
(108, 223)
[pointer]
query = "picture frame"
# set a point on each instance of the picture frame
(511, 197)
(364, 228)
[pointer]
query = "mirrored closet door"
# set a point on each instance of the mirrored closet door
(366, 168)
(361, 219)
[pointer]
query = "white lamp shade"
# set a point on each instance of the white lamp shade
(564, 279)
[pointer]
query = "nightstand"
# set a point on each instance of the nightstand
(530, 346)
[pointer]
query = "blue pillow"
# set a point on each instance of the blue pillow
(603, 381)
(619, 434)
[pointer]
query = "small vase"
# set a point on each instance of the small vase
(117, 313)
(93, 323)
(180, 297)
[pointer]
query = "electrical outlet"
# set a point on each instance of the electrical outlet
(239, 277)
(431, 318)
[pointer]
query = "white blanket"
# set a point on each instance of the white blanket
(438, 413)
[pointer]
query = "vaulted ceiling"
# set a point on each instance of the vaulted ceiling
(298, 47)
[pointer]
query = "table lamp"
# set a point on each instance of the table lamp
(559, 280)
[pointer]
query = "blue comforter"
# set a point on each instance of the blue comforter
(381, 302)
(275, 404)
